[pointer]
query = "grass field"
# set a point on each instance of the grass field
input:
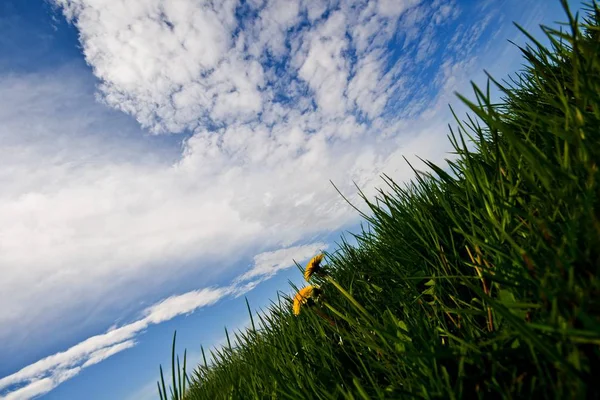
(479, 280)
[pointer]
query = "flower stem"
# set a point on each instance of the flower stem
(349, 297)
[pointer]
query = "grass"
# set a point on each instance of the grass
(479, 280)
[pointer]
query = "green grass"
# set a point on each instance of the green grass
(479, 280)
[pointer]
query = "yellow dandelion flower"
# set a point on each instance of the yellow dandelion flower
(302, 297)
(314, 265)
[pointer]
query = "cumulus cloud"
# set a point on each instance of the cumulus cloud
(151, 54)
(178, 65)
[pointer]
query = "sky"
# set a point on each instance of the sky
(163, 160)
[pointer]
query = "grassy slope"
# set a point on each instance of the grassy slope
(485, 284)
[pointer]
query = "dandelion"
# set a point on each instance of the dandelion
(302, 297)
(313, 266)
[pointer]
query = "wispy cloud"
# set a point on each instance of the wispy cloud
(269, 263)
(45, 374)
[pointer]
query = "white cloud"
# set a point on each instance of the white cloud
(102, 354)
(323, 65)
(183, 304)
(269, 263)
(367, 89)
(394, 8)
(146, 52)
(269, 30)
(32, 390)
(44, 375)
(175, 65)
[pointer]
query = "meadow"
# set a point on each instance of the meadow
(478, 279)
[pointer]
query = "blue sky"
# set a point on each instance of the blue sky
(162, 160)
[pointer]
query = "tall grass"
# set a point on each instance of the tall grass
(479, 280)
